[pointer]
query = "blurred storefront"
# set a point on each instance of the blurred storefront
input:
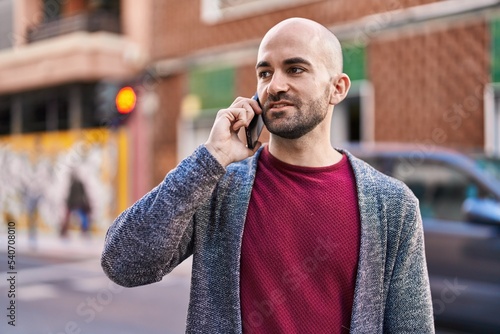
(61, 62)
(36, 172)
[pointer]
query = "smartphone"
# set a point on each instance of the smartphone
(255, 128)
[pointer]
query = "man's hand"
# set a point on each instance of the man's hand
(223, 142)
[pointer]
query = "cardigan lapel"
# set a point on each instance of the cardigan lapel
(241, 196)
(367, 313)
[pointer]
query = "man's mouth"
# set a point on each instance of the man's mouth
(279, 105)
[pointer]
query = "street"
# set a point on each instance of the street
(55, 296)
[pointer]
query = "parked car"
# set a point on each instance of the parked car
(489, 164)
(460, 206)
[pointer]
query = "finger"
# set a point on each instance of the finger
(233, 114)
(246, 107)
(238, 102)
(250, 105)
(246, 102)
(255, 106)
(238, 117)
(238, 125)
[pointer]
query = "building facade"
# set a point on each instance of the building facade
(58, 60)
(422, 71)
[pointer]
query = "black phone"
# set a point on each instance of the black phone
(255, 128)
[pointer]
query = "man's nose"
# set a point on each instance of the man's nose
(278, 84)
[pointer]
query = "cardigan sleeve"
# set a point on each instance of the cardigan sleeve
(154, 235)
(408, 306)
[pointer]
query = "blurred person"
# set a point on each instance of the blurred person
(32, 199)
(291, 237)
(78, 203)
(33, 180)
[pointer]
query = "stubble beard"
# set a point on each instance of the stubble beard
(303, 120)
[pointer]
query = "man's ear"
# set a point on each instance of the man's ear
(341, 85)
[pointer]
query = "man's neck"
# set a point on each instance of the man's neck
(304, 152)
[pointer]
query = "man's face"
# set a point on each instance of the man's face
(294, 85)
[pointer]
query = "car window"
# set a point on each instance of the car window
(440, 188)
(489, 165)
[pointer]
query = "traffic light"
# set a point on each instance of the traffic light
(125, 100)
(114, 102)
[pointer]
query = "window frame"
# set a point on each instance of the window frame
(492, 119)
(212, 11)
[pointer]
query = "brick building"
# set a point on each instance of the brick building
(55, 58)
(423, 71)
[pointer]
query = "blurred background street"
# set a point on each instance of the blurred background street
(99, 99)
(61, 288)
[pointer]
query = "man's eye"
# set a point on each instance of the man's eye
(264, 74)
(296, 70)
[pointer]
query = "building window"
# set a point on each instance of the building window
(5, 117)
(6, 24)
(64, 17)
(43, 113)
(213, 11)
(44, 110)
(495, 49)
(210, 89)
(492, 95)
(60, 108)
(354, 57)
(353, 118)
(492, 119)
(56, 9)
(213, 87)
(90, 117)
(34, 117)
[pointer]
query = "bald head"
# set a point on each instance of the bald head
(312, 35)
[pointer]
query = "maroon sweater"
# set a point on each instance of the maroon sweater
(300, 249)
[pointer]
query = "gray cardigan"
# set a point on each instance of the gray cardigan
(199, 209)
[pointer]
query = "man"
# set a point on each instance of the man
(292, 237)
(76, 202)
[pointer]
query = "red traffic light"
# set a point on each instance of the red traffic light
(126, 99)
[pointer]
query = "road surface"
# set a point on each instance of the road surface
(54, 296)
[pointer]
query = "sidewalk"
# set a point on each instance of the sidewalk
(75, 247)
